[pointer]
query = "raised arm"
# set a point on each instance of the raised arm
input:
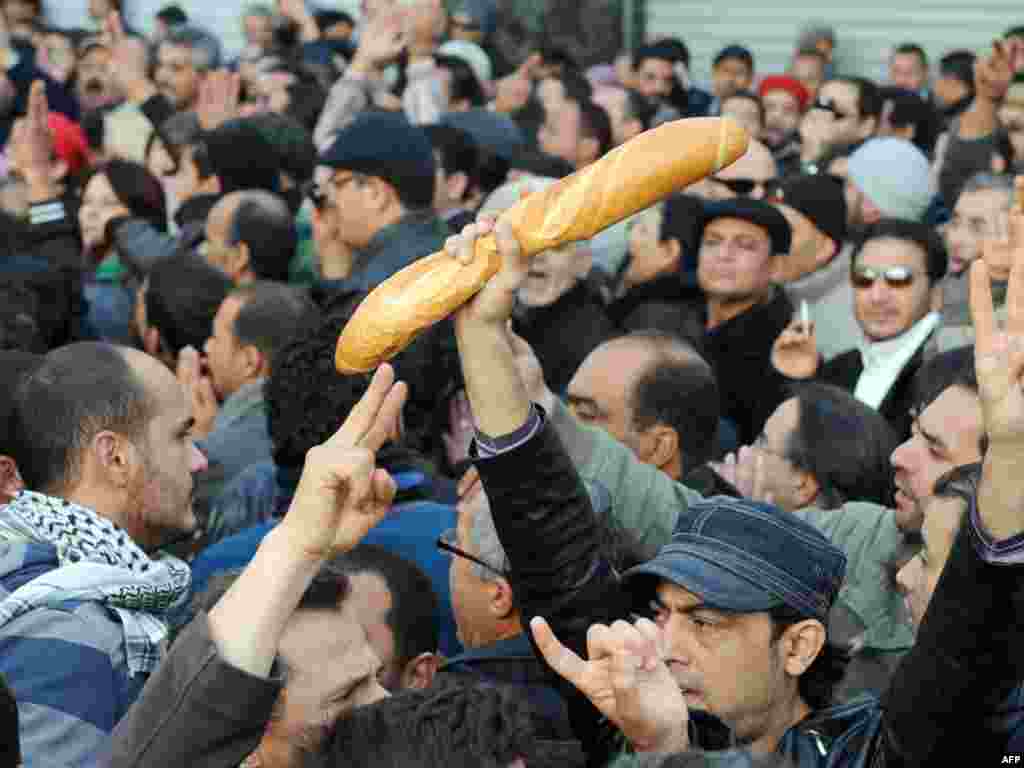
(208, 703)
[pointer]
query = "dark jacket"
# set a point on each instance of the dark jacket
(415, 235)
(558, 571)
(844, 371)
(513, 663)
(660, 304)
(141, 246)
(739, 352)
(563, 334)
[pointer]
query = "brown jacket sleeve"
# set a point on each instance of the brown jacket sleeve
(196, 710)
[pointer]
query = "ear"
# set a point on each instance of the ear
(381, 194)
(255, 361)
(458, 184)
(826, 251)
(664, 446)
(800, 644)
(502, 604)
(419, 672)
(670, 252)
(11, 483)
(239, 262)
(807, 489)
(151, 341)
(114, 457)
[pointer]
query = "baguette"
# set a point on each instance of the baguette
(629, 179)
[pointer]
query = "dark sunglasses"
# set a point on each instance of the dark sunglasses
(446, 543)
(895, 277)
(829, 106)
(316, 194)
(740, 187)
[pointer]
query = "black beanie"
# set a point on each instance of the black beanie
(820, 198)
(239, 155)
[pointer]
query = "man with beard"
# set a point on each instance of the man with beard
(784, 99)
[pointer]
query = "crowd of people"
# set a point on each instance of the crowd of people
(736, 482)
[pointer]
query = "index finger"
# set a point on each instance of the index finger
(982, 315)
(114, 28)
(561, 659)
(363, 416)
(38, 108)
(387, 424)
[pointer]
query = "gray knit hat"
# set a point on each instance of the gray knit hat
(894, 174)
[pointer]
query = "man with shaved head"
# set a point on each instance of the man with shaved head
(251, 235)
(102, 439)
(750, 176)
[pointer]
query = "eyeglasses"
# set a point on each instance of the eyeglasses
(829, 106)
(316, 194)
(446, 543)
(864, 276)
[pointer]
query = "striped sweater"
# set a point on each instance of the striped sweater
(66, 665)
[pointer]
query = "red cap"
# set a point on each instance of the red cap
(786, 83)
(69, 142)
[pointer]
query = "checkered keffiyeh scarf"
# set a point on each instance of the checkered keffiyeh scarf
(97, 561)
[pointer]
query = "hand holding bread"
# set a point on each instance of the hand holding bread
(627, 180)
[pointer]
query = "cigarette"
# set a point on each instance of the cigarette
(805, 319)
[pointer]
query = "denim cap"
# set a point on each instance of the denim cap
(746, 556)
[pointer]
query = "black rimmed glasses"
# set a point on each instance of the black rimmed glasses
(446, 543)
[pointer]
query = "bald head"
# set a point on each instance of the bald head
(251, 235)
(641, 387)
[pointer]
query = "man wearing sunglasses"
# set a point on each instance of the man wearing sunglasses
(847, 111)
(896, 279)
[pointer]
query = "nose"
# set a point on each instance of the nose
(199, 463)
(900, 458)
(905, 577)
(879, 291)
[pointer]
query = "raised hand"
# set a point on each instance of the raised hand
(461, 429)
(129, 61)
(30, 147)
(992, 75)
(626, 678)
(1000, 253)
(999, 354)
(381, 42)
(341, 494)
(198, 391)
(493, 304)
(219, 97)
(795, 352)
(512, 92)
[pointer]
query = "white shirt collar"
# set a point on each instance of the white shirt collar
(884, 361)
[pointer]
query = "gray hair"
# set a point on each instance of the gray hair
(990, 182)
(484, 541)
(205, 47)
(815, 31)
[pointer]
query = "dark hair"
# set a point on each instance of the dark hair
(291, 141)
(327, 19)
(327, 591)
(845, 444)
(936, 260)
(493, 170)
(412, 617)
(677, 389)
(811, 51)
(554, 55)
(183, 294)
(1015, 31)
(457, 151)
(136, 189)
(750, 96)
(908, 108)
(271, 315)
(869, 97)
(640, 108)
(306, 100)
(93, 127)
(176, 132)
(666, 49)
(14, 366)
(172, 15)
(697, 758)
(464, 83)
(952, 368)
(959, 65)
(74, 393)
(10, 742)
(737, 53)
(818, 683)
(264, 222)
(595, 124)
(460, 724)
(914, 49)
(21, 310)
(205, 48)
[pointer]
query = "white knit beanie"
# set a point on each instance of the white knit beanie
(894, 174)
